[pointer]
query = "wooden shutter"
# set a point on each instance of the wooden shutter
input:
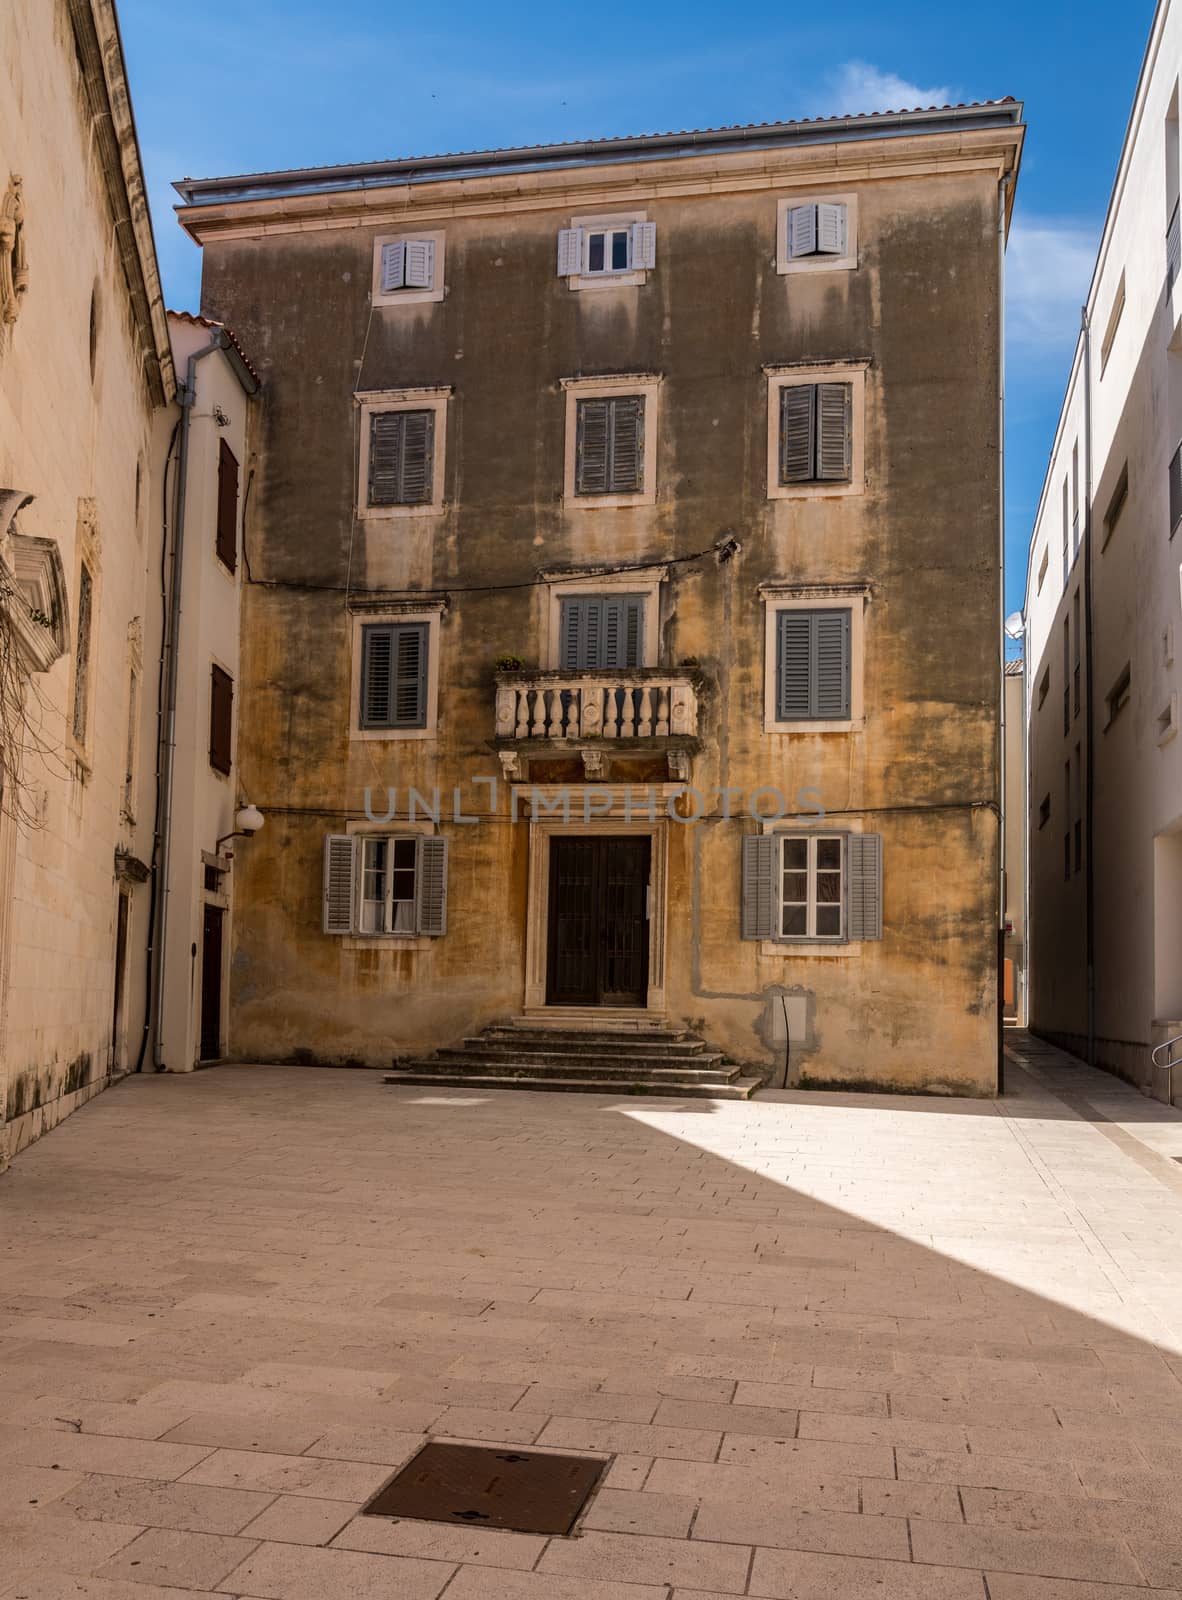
(813, 666)
(393, 267)
(760, 856)
(626, 472)
(864, 865)
(834, 431)
(570, 252)
(409, 685)
(420, 263)
(394, 675)
(401, 457)
(644, 244)
(802, 231)
(1175, 488)
(830, 666)
(591, 447)
(431, 887)
(793, 666)
(798, 409)
(601, 631)
(831, 229)
(338, 883)
(227, 525)
(221, 719)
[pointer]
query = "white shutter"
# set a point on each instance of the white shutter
(831, 229)
(393, 267)
(420, 263)
(802, 231)
(570, 252)
(338, 883)
(644, 244)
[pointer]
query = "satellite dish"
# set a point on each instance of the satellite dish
(1015, 625)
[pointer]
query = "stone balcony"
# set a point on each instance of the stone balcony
(598, 717)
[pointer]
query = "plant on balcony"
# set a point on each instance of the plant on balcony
(508, 663)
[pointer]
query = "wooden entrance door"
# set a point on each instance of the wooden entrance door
(120, 981)
(211, 984)
(598, 928)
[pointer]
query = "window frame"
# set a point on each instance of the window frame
(812, 838)
(225, 544)
(797, 375)
(646, 386)
(217, 670)
(777, 598)
(372, 402)
(786, 263)
(409, 297)
(358, 832)
(606, 222)
(394, 614)
(363, 846)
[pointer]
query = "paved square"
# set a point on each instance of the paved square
(834, 1346)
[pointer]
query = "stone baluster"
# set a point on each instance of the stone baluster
(627, 713)
(662, 727)
(538, 731)
(572, 712)
(644, 721)
(555, 729)
(611, 719)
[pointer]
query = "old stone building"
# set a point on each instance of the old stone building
(621, 637)
(85, 365)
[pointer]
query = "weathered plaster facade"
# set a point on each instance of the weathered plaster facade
(909, 545)
(84, 363)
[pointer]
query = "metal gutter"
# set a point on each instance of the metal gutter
(594, 152)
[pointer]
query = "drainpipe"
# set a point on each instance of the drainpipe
(1002, 189)
(219, 340)
(1089, 765)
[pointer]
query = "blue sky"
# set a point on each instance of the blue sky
(290, 83)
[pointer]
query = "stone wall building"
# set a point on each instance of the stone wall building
(84, 366)
(1104, 628)
(649, 473)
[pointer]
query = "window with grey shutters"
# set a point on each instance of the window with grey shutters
(401, 458)
(1175, 489)
(813, 666)
(394, 662)
(816, 433)
(609, 445)
(378, 885)
(601, 631)
(812, 887)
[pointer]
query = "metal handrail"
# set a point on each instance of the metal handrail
(1169, 1065)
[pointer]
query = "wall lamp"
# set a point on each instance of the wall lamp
(247, 821)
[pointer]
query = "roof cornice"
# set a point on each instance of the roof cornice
(100, 50)
(639, 178)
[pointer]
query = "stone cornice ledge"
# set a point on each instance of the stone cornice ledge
(630, 183)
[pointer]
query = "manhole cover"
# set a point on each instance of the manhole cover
(490, 1486)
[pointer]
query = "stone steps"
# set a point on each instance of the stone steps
(525, 1054)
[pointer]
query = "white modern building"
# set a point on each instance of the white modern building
(1104, 625)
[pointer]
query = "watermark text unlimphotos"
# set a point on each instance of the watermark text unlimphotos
(680, 802)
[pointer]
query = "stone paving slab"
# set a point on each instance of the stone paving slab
(864, 1346)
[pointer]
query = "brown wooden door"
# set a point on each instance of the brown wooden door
(598, 933)
(211, 984)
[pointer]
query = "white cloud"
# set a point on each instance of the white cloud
(1048, 268)
(857, 86)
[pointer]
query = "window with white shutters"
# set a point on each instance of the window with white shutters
(406, 264)
(817, 229)
(816, 433)
(601, 631)
(609, 445)
(813, 666)
(401, 458)
(602, 252)
(385, 884)
(816, 888)
(394, 662)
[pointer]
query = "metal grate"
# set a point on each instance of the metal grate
(490, 1486)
